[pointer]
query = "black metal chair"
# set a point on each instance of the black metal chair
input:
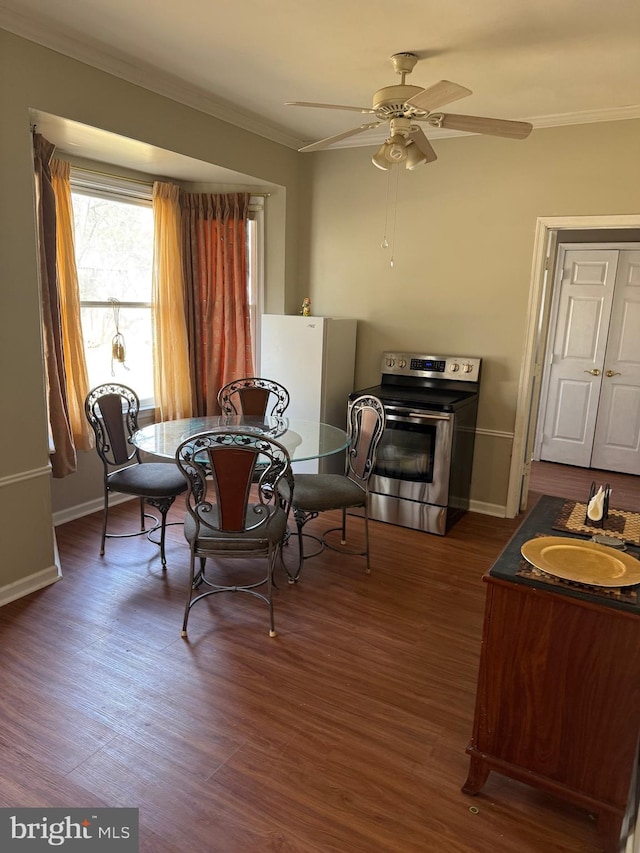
(112, 410)
(316, 493)
(228, 516)
(253, 396)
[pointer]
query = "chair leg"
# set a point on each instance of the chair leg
(187, 609)
(164, 509)
(197, 579)
(366, 537)
(105, 515)
(301, 517)
(271, 567)
(342, 529)
(300, 522)
(299, 525)
(163, 505)
(141, 515)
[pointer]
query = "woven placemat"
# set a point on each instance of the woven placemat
(627, 594)
(620, 523)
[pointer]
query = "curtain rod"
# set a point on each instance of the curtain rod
(148, 183)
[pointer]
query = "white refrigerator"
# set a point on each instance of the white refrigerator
(314, 358)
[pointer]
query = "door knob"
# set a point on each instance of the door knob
(611, 373)
(594, 372)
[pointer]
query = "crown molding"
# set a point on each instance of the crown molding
(93, 53)
(558, 120)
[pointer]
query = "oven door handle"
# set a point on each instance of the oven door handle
(397, 415)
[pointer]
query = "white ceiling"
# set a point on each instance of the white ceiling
(550, 62)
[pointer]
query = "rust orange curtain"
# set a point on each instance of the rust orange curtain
(217, 305)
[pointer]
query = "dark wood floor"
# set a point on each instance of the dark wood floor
(345, 733)
(567, 481)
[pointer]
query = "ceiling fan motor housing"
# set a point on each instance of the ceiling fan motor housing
(392, 101)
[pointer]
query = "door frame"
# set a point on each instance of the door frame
(548, 234)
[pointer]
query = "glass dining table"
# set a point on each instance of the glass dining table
(304, 439)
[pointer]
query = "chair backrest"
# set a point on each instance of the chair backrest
(112, 410)
(365, 425)
(253, 396)
(219, 469)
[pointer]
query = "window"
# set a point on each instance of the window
(114, 256)
(113, 224)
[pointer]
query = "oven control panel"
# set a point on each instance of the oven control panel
(462, 368)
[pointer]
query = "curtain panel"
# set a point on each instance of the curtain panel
(172, 378)
(77, 385)
(217, 305)
(63, 455)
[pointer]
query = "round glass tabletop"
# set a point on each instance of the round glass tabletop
(303, 439)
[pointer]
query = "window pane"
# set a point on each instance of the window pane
(99, 330)
(114, 249)
(114, 256)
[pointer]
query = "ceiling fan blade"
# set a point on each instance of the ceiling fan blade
(324, 143)
(437, 95)
(328, 106)
(489, 126)
(422, 144)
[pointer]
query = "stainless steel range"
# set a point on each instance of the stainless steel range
(423, 468)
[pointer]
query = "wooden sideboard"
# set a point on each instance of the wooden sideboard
(558, 700)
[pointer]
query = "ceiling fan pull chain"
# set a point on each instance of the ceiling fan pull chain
(385, 242)
(395, 169)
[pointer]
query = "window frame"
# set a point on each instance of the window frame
(255, 283)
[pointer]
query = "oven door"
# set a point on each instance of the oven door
(413, 461)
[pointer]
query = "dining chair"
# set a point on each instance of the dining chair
(112, 410)
(316, 493)
(231, 516)
(253, 396)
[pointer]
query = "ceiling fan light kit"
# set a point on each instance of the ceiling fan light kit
(402, 106)
(415, 157)
(379, 158)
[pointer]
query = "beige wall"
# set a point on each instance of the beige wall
(462, 253)
(32, 77)
(463, 247)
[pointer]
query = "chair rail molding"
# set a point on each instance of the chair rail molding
(22, 476)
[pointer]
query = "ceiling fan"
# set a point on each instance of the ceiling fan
(404, 105)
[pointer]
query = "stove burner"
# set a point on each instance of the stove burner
(418, 397)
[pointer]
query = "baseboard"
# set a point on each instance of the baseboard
(80, 510)
(32, 583)
(497, 510)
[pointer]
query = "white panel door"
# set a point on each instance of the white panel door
(616, 445)
(577, 354)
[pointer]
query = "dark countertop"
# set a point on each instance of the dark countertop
(540, 521)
